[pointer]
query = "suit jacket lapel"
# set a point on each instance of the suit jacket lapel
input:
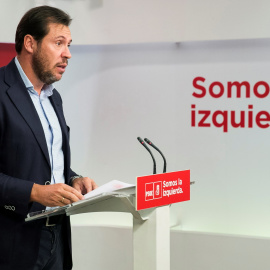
(21, 99)
(57, 105)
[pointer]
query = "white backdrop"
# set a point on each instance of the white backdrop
(112, 94)
(129, 21)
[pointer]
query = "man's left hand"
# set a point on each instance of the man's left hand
(84, 185)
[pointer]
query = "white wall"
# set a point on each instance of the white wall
(112, 94)
(127, 91)
(129, 21)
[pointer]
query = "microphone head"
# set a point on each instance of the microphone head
(144, 145)
(148, 141)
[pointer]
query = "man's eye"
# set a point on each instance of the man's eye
(58, 43)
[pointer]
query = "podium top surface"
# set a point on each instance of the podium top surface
(93, 201)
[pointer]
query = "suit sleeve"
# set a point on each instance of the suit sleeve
(15, 194)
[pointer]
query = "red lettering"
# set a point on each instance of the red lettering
(193, 116)
(224, 123)
(238, 87)
(266, 87)
(262, 117)
(220, 119)
(199, 87)
(221, 89)
(242, 119)
(250, 116)
(206, 114)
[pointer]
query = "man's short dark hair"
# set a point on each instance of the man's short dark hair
(35, 23)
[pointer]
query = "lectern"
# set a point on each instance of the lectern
(151, 226)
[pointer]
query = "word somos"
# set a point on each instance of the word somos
(231, 89)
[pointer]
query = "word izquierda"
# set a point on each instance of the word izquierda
(226, 119)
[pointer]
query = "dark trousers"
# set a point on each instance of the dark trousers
(51, 254)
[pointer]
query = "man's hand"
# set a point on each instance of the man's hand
(54, 195)
(84, 185)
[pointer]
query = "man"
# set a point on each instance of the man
(34, 146)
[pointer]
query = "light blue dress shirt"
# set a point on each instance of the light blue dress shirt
(50, 124)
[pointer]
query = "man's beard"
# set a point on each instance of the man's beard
(39, 65)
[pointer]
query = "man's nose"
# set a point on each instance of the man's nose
(66, 53)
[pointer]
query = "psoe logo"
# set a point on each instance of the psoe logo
(153, 191)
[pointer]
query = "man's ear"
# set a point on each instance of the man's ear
(29, 43)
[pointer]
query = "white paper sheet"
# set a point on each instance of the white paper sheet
(108, 187)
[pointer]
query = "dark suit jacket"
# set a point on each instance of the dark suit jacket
(24, 160)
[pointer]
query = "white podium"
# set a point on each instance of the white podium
(151, 227)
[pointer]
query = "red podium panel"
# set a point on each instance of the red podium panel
(162, 189)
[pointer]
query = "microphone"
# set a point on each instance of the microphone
(144, 145)
(151, 144)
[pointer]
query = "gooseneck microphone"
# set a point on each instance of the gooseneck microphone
(154, 161)
(151, 144)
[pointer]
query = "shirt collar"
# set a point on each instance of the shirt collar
(47, 89)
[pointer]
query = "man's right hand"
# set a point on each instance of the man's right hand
(54, 195)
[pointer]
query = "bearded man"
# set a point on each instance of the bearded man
(35, 168)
